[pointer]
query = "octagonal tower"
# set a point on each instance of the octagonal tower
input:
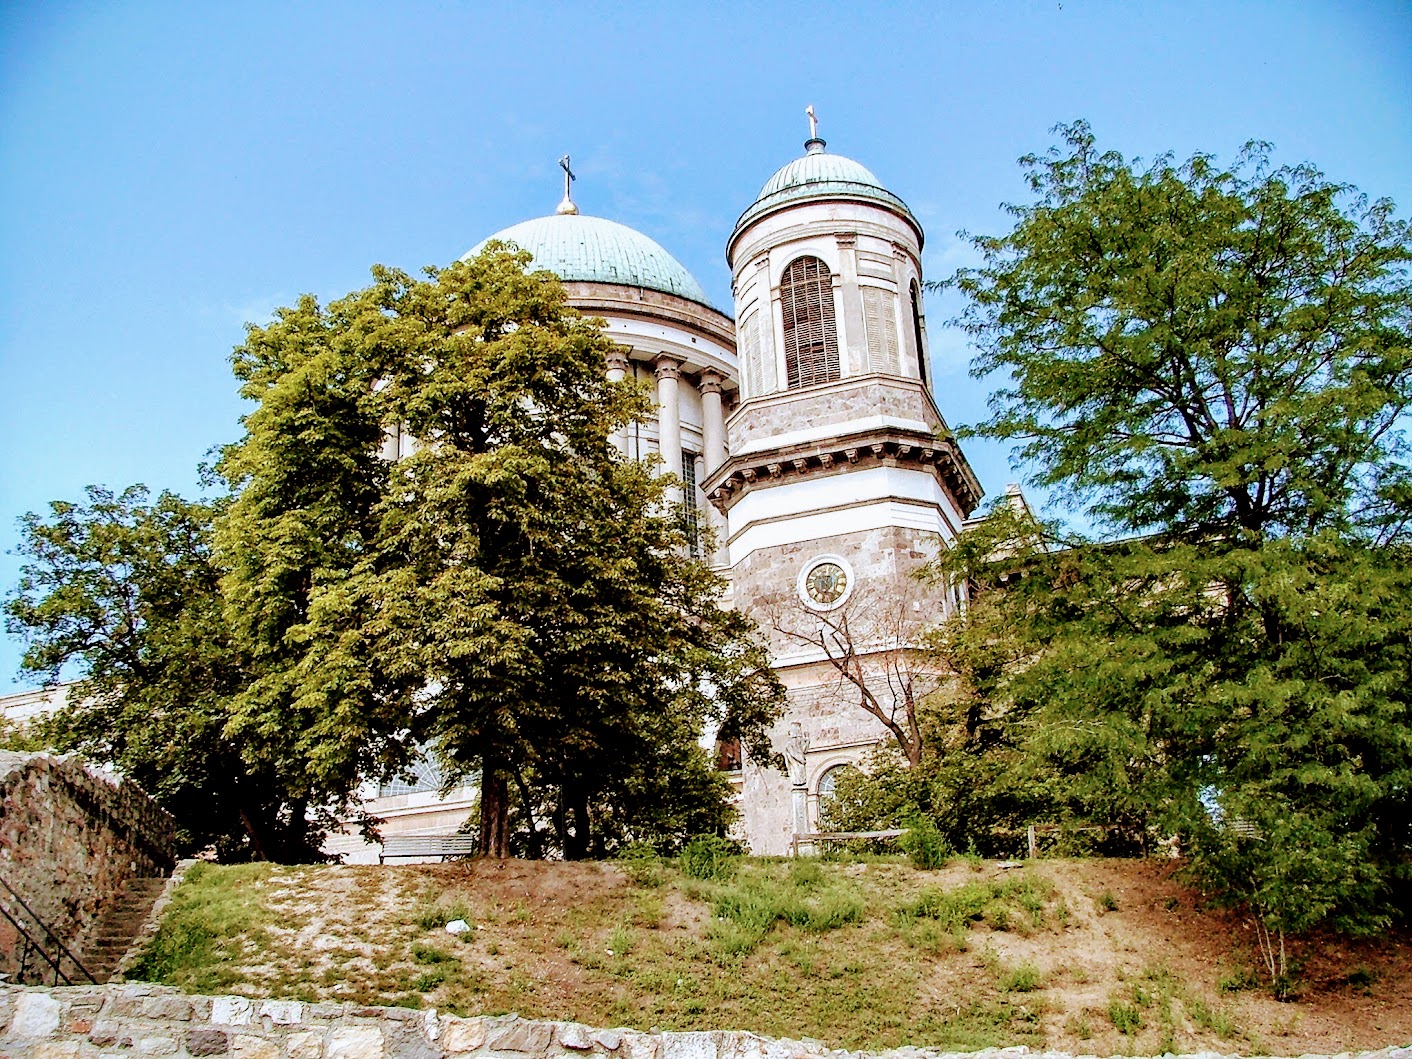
(843, 476)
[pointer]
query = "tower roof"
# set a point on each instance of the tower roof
(597, 250)
(820, 176)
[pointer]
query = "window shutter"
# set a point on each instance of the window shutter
(810, 333)
(881, 323)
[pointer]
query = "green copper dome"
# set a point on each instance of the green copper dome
(818, 176)
(595, 250)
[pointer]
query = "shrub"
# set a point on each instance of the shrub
(924, 844)
(709, 857)
(641, 863)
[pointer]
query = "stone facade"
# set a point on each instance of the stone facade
(883, 613)
(70, 838)
(778, 415)
(145, 1020)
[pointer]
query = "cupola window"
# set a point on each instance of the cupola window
(810, 334)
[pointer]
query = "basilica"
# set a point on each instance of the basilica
(803, 429)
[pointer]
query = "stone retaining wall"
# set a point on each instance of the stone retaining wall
(143, 1020)
(70, 837)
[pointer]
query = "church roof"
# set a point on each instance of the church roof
(820, 175)
(597, 250)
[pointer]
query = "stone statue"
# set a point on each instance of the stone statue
(795, 747)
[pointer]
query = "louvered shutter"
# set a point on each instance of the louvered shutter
(810, 333)
(881, 323)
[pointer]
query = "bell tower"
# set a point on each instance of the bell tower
(842, 477)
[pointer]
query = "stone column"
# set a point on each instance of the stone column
(852, 335)
(668, 371)
(617, 372)
(713, 437)
(713, 420)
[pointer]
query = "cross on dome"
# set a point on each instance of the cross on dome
(813, 145)
(567, 206)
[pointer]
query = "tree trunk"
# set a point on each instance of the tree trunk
(494, 813)
(534, 844)
(576, 847)
(253, 832)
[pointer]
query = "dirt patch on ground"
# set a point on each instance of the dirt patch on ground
(1098, 957)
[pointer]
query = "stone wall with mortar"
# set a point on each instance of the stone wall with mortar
(70, 837)
(145, 1020)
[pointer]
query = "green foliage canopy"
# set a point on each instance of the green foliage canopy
(513, 592)
(126, 590)
(1217, 359)
(506, 590)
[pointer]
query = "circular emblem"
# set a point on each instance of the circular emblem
(825, 582)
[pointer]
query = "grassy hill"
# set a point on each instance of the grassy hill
(1097, 957)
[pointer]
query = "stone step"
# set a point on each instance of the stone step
(118, 927)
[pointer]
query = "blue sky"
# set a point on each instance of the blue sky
(169, 172)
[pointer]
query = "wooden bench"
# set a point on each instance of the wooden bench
(442, 846)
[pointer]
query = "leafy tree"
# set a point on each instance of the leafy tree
(1220, 350)
(305, 480)
(126, 592)
(1218, 360)
(512, 592)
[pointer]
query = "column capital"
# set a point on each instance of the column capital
(711, 381)
(667, 367)
(618, 359)
(846, 239)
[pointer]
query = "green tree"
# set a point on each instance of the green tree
(512, 592)
(1215, 362)
(124, 594)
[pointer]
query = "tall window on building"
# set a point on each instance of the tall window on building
(917, 332)
(810, 334)
(691, 514)
(881, 323)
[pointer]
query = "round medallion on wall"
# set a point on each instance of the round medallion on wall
(826, 582)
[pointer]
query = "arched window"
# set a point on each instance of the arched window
(810, 334)
(917, 332)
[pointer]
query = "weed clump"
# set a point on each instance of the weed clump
(748, 907)
(1126, 1018)
(709, 857)
(432, 915)
(642, 864)
(1018, 902)
(1022, 979)
(924, 844)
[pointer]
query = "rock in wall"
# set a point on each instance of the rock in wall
(145, 1020)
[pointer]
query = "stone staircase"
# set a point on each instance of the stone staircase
(119, 926)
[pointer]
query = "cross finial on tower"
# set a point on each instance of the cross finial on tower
(567, 206)
(813, 144)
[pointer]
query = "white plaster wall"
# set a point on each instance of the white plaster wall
(825, 505)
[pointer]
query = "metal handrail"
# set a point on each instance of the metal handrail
(61, 950)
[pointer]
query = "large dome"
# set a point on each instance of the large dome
(820, 175)
(595, 250)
